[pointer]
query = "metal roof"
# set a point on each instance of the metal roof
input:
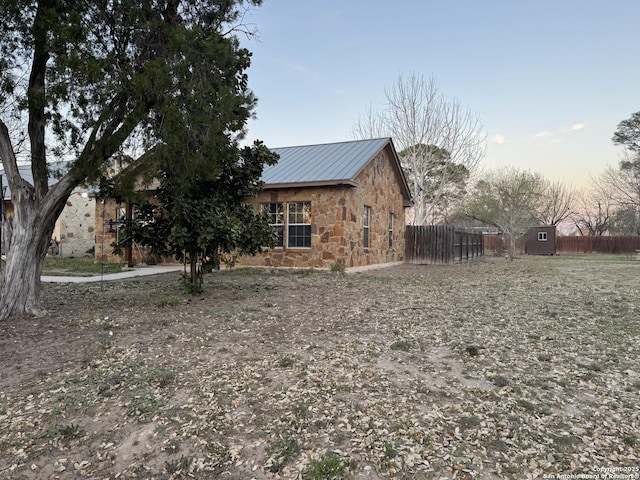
(326, 163)
(25, 173)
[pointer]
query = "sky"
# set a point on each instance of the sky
(549, 79)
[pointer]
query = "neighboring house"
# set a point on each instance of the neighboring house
(339, 202)
(73, 234)
(540, 241)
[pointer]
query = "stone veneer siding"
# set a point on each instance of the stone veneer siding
(108, 210)
(337, 222)
(75, 228)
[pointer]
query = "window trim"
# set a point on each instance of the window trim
(366, 227)
(274, 216)
(542, 237)
(391, 225)
(290, 224)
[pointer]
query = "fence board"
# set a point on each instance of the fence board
(598, 244)
(441, 244)
(568, 245)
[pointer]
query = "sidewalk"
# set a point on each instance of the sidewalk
(138, 272)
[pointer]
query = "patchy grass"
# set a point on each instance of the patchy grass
(77, 266)
(329, 467)
(489, 369)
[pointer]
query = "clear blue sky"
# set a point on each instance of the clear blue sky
(550, 79)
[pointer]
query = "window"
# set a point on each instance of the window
(391, 220)
(276, 220)
(299, 224)
(542, 236)
(366, 223)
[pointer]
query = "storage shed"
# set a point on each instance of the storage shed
(540, 241)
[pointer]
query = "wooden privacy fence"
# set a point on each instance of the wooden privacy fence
(441, 244)
(598, 244)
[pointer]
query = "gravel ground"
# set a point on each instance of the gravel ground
(486, 370)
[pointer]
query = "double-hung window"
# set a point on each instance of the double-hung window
(366, 227)
(276, 220)
(299, 224)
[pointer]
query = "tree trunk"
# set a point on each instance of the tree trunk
(512, 246)
(20, 290)
(32, 226)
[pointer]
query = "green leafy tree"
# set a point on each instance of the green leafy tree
(509, 199)
(628, 134)
(207, 221)
(91, 81)
(440, 181)
(623, 183)
(624, 221)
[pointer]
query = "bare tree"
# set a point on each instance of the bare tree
(593, 212)
(509, 199)
(424, 123)
(556, 203)
(622, 184)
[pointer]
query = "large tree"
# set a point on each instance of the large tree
(628, 134)
(90, 80)
(509, 199)
(428, 128)
(623, 183)
(625, 221)
(443, 183)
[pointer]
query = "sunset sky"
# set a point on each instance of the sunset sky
(550, 79)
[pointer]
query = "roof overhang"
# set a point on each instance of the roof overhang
(321, 183)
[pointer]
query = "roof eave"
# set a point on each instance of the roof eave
(318, 183)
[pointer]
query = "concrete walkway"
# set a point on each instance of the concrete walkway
(138, 272)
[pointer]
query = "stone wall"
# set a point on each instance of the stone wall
(106, 235)
(337, 221)
(74, 233)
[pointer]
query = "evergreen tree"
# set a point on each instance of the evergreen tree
(89, 81)
(208, 220)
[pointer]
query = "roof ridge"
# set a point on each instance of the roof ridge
(333, 143)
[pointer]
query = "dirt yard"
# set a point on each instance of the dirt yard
(484, 370)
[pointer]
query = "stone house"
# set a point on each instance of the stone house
(339, 202)
(73, 235)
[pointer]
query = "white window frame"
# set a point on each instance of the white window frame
(542, 236)
(366, 227)
(392, 221)
(274, 220)
(306, 222)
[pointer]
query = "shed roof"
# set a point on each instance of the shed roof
(327, 164)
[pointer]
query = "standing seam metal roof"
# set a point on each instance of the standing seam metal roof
(322, 163)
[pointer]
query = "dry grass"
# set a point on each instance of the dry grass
(483, 370)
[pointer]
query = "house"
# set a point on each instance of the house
(335, 203)
(540, 241)
(73, 234)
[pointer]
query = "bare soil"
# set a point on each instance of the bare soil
(490, 369)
